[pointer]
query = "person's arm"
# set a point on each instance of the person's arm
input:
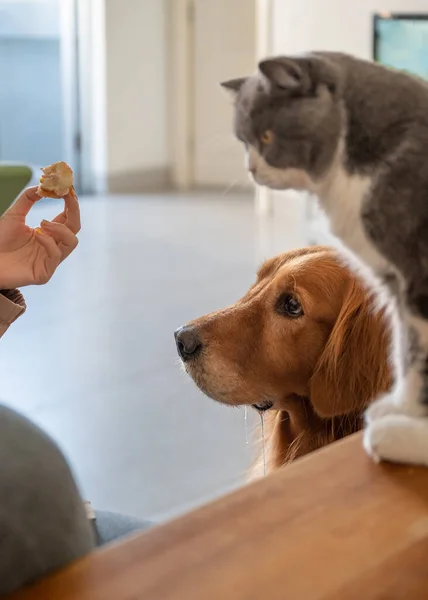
(12, 305)
(30, 256)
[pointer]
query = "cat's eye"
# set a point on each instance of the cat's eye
(267, 137)
(289, 306)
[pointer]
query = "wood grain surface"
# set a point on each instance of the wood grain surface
(330, 526)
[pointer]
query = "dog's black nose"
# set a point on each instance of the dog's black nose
(188, 342)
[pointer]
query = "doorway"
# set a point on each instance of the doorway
(39, 110)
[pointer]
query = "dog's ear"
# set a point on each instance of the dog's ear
(354, 367)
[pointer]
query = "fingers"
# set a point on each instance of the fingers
(47, 267)
(69, 217)
(61, 236)
(58, 242)
(24, 203)
(71, 213)
(49, 244)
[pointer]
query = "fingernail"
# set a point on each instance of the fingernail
(46, 224)
(39, 231)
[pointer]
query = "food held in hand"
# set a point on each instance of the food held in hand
(56, 181)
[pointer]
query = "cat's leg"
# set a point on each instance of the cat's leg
(394, 219)
(398, 424)
(390, 403)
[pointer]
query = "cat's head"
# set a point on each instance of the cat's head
(290, 119)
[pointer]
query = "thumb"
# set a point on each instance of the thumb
(24, 203)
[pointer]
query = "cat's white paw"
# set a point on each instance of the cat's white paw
(386, 405)
(398, 438)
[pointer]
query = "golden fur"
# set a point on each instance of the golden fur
(320, 371)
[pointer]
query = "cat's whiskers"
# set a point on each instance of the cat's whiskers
(231, 186)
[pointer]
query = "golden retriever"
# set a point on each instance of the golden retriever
(308, 346)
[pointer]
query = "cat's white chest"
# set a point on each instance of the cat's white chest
(342, 199)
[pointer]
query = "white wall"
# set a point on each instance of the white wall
(224, 47)
(136, 85)
(342, 25)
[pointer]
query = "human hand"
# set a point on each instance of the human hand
(30, 256)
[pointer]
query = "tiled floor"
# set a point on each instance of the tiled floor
(93, 360)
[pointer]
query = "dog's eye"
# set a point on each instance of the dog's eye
(289, 306)
(267, 137)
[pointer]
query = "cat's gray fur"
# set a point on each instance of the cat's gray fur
(345, 125)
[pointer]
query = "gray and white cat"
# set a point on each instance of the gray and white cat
(356, 135)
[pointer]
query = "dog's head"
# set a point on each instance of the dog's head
(307, 329)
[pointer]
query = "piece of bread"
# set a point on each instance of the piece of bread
(56, 181)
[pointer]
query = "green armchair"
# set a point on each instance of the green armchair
(13, 179)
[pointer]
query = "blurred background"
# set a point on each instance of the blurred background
(127, 92)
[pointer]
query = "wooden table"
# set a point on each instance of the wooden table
(330, 526)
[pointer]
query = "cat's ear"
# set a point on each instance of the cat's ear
(283, 72)
(234, 85)
(301, 75)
